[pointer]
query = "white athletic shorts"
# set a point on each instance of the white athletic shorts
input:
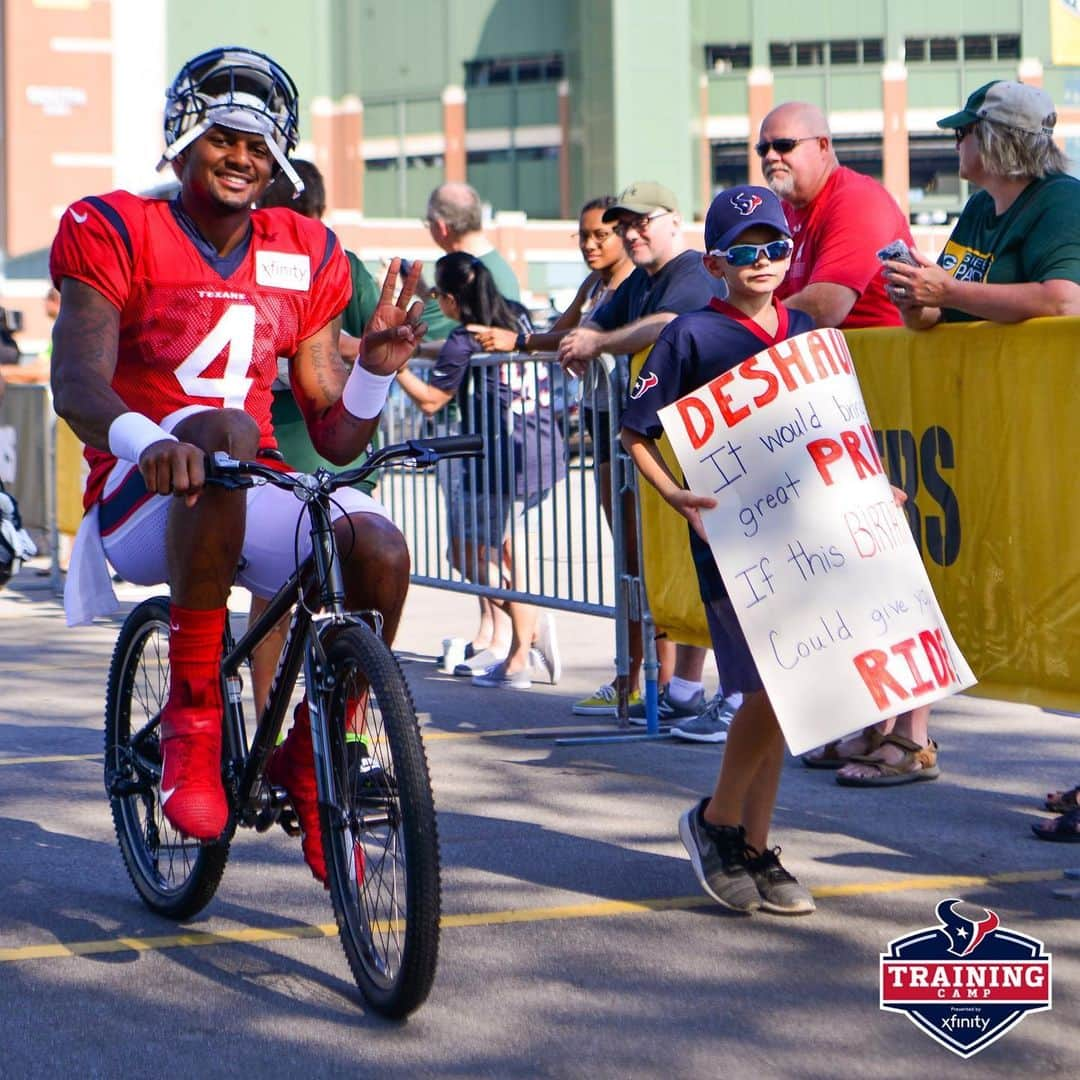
(133, 524)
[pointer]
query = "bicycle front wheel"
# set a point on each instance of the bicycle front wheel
(174, 876)
(379, 834)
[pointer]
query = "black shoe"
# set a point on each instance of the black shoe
(720, 856)
(779, 890)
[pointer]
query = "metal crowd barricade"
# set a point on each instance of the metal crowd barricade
(556, 550)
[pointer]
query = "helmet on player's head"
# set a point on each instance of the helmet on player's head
(237, 88)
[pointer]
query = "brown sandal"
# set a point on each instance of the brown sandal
(918, 763)
(1063, 802)
(829, 757)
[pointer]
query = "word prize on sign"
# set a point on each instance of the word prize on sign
(817, 558)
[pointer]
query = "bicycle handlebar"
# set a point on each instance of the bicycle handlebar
(228, 472)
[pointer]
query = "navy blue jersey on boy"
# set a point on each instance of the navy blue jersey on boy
(691, 351)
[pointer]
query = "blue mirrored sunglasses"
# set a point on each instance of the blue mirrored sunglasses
(748, 254)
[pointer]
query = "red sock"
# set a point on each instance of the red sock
(195, 655)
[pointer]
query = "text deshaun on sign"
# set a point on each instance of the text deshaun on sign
(817, 558)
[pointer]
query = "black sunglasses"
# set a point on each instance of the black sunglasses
(782, 146)
(962, 133)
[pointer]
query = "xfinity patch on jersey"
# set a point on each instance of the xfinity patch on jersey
(283, 270)
(966, 981)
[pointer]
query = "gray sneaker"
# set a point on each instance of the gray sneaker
(710, 725)
(780, 892)
(719, 857)
(668, 710)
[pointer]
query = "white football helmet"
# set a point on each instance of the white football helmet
(238, 88)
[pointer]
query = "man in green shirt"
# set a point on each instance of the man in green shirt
(290, 429)
(455, 221)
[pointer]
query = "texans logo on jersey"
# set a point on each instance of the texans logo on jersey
(746, 203)
(644, 383)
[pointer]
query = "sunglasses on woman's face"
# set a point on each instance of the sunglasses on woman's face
(748, 254)
(962, 133)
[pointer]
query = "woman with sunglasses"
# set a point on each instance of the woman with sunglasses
(523, 458)
(1015, 251)
(609, 265)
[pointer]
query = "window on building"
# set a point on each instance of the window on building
(1007, 47)
(944, 49)
(781, 54)
(873, 50)
(727, 57)
(810, 53)
(508, 70)
(947, 50)
(844, 52)
(841, 51)
(730, 164)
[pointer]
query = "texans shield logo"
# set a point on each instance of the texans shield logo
(746, 203)
(644, 382)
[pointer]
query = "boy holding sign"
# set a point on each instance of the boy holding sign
(749, 247)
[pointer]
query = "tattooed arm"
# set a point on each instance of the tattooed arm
(318, 375)
(85, 339)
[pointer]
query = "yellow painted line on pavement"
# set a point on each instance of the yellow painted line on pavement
(51, 759)
(597, 909)
(429, 735)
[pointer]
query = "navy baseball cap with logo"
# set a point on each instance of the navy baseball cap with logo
(737, 209)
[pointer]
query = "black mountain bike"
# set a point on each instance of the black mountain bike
(375, 802)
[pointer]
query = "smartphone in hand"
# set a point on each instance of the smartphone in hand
(897, 251)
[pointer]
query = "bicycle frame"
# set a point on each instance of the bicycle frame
(316, 586)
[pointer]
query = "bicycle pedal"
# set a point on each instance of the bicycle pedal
(289, 821)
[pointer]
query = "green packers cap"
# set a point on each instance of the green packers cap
(1011, 104)
(643, 197)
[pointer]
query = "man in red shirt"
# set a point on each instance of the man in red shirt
(174, 313)
(839, 220)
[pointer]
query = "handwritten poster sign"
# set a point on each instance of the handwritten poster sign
(818, 560)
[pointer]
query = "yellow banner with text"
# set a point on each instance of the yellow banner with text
(974, 422)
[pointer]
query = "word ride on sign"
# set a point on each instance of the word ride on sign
(817, 558)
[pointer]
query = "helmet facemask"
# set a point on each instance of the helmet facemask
(234, 88)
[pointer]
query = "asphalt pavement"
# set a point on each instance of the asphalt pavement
(575, 941)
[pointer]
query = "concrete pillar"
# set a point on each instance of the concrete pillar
(564, 149)
(1030, 71)
(322, 141)
(453, 103)
(704, 149)
(350, 168)
(507, 235)
(896, 168)
(759, 86)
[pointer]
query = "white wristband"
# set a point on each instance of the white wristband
(365, 392)
(131, 433)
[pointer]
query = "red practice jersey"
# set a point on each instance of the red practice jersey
(195, 328)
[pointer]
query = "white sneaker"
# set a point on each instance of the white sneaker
(481, 662)
(547, 645)
(496, 678)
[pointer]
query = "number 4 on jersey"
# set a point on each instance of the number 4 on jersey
(235, 331)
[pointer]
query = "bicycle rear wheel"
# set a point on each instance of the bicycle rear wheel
(174, 876)
(380, 835)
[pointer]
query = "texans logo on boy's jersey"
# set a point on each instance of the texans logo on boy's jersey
(644, 382)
